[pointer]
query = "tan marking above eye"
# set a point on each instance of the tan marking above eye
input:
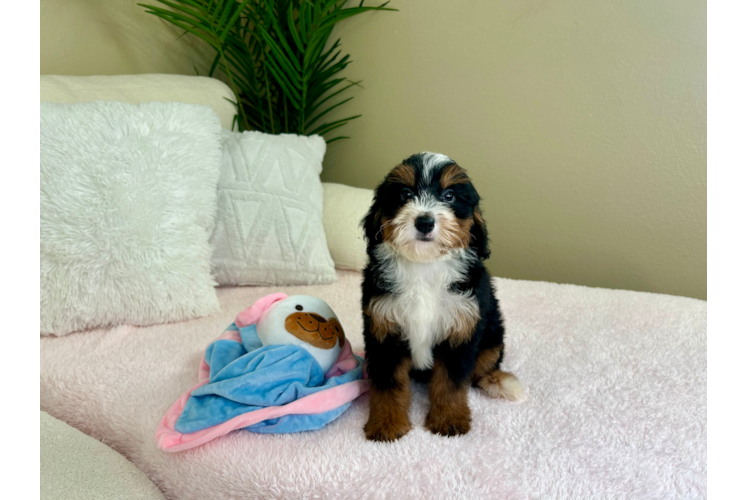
(453, 174)
(403, 174)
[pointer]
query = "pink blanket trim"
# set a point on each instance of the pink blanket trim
(168, 439)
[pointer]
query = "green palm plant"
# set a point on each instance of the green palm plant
(275, 56)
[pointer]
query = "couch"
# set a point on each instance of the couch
(616, 384)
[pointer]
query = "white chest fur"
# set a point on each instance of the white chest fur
(422, 305)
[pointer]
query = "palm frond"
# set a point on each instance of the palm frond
(275, 55)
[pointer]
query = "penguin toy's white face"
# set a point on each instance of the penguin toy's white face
(307, 322)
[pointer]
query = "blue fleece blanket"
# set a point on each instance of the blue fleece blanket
(248, 376)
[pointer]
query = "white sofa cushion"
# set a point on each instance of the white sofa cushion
(345, 207)
(136, 89)
(78, 467)
(128, 198)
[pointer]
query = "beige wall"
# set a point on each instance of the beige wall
(114, 37)
(582, 123)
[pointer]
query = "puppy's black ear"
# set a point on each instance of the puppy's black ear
(372, 224)
(479, 235)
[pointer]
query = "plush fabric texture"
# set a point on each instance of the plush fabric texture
(136, 89)
(616, 406)
(345, 208)
(77, 467)
(269, 225)
(128, 197)
(272, 389)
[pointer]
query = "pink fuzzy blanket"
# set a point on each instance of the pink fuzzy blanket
(616, 406)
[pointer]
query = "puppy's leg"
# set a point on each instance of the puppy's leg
(389, 401)
(494, 382)
(449, 414)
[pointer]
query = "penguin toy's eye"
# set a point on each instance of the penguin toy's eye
(299, 307)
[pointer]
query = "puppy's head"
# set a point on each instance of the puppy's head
(425, 207)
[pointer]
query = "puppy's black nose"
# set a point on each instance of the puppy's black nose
(425, 223)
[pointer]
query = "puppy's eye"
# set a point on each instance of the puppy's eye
(448, 195)
(406, 194)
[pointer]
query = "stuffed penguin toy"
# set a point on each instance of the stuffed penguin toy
(301, 320)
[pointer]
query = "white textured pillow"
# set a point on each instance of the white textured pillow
(269, 226)
(128, 196)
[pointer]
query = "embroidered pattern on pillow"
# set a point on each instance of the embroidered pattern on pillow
(269, 227)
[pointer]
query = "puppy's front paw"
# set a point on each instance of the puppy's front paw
(386, 429)
(448, 422)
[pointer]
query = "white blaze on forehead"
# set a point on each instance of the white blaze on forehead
(432, 161)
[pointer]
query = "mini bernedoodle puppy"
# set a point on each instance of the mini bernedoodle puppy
(428, 303)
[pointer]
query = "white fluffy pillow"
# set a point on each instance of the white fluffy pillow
(128, 197)
(269, 226)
